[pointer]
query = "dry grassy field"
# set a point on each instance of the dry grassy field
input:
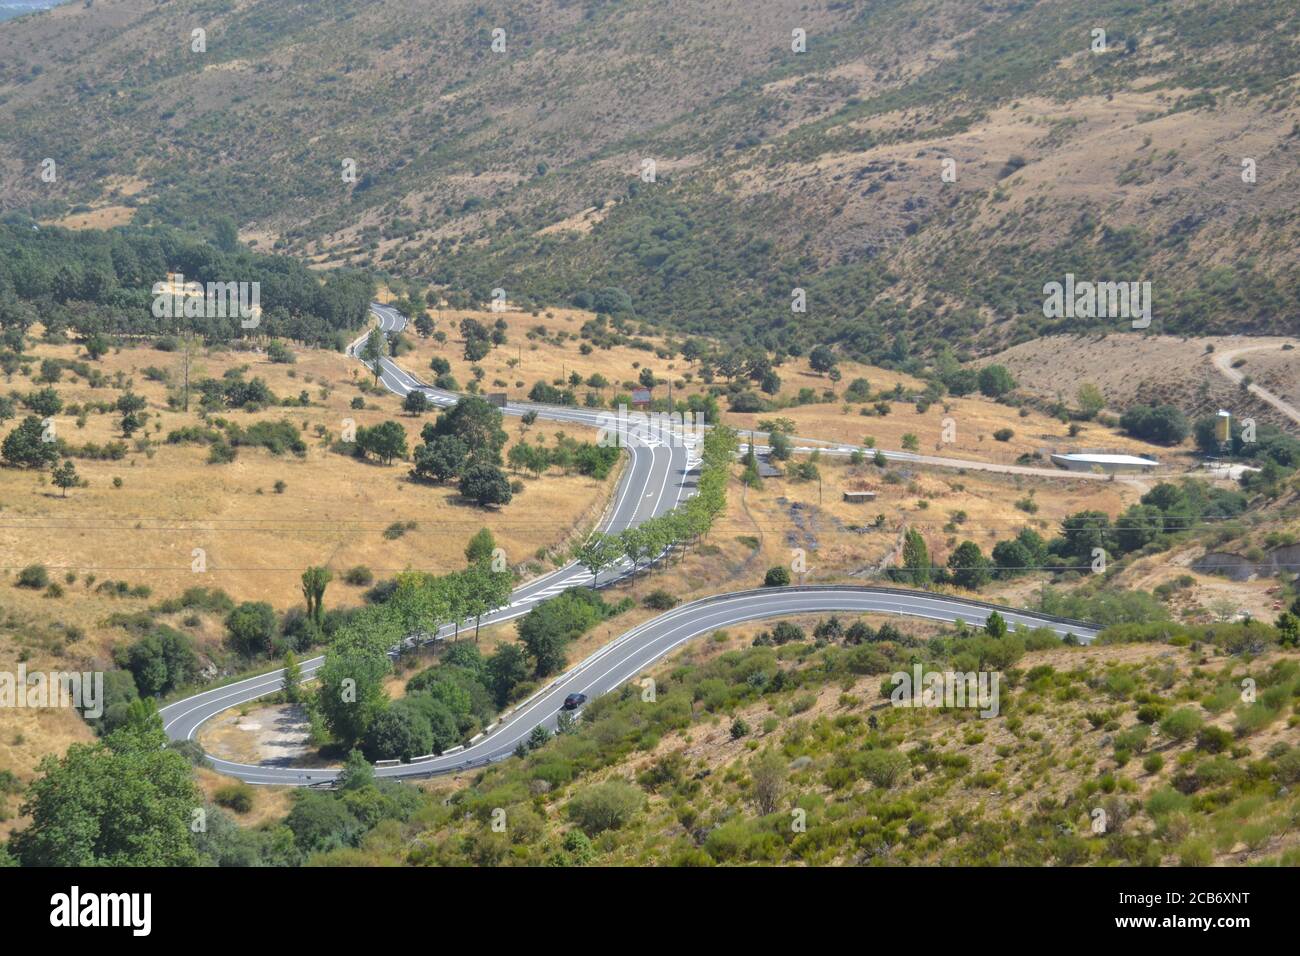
(333, 511)
(531, 356)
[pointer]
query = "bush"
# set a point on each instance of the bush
(359, 576)
(660, 600)
(777, 577)
(884, 767)
(1181, 724)
(33, 576)
(1213, 740)
(235, 796)
(605, 806)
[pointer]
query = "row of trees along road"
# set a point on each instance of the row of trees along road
(686, 524)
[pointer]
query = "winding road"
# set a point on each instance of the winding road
(658, 476)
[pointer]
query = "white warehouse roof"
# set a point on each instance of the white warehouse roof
(1108, 459)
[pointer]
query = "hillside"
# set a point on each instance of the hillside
(776, 743)
(821, 170)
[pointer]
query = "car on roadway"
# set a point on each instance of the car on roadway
(574, 701)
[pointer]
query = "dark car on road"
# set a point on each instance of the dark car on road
(574, 701)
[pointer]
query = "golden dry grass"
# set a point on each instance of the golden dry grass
(333, 512)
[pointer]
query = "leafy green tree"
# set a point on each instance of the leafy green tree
(821, 359)
(1011, 559)
(485, 484)
(350, 683)
(598, 552)
(25, 445)
(314, 582)
(440, 458)
(292, 682)
(916, 559)
(480, 548)
(1090, 399)
(374, 350)
(969, 568)
(995, 381)
(1137, 526)
(398, 732)
(777, 576)
(251, 627)
(1082, 532)
(1162, 424)
(477, 423)
(995, 625)
(385, 441)
(416, 402)
(506, 668)
(357, 773)
(65, 476)
(124, 801)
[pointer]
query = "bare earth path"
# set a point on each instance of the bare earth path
(1223, 362)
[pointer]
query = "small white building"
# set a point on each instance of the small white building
(1110, 464)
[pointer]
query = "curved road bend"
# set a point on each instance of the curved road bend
(657, 479)
(613, 665)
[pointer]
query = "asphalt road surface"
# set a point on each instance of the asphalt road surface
(659, 475)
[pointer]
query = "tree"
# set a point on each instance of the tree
(314, 582)
(1082, 533)
(350, 684)
(374, 350)
(506, 668)
(480, 548)
(916, 559)
(424, 325)
(385, 441)
(821, 359)
(416, 402)
(65, 476)
(291, 685)
(995, 381)
(598, 552)
(1091, 401)
(123, 801)
(1288, 626)
(251, 626)
(777, 577)
(1137, 527)
(485, 484)
(399, 732)
(1010, 559)
(970, 569)
(1163, 424)
(357, 773)
(440, 459)
(995, 625)
(477, 423)
(25, 446)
